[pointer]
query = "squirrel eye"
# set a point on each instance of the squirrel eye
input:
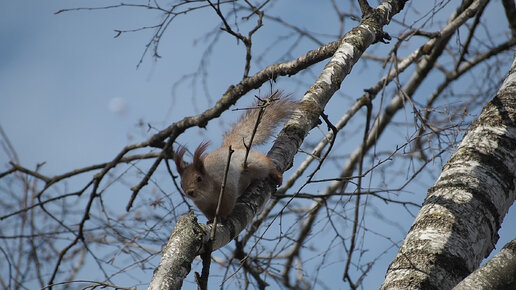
(199, 179)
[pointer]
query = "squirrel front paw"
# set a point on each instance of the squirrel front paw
(276, 176)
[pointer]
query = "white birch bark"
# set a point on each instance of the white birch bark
(182, 247)
(458, 224)
(497, 273)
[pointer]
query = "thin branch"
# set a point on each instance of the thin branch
(263, 104)
(471, 33)
(364, 7)
(510, 11)
(346, 275)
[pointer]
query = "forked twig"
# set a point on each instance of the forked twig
(263, 105)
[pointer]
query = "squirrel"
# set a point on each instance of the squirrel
(202, 179)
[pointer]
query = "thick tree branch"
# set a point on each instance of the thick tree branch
(497, 273)
(182, 247)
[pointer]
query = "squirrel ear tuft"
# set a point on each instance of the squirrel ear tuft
(178, 159)
(199, 155)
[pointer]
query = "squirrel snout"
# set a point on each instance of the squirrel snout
(190, 193)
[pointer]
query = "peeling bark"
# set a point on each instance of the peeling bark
(458, 224)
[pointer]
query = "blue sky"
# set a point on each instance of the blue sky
(71, 94)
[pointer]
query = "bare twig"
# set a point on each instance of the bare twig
(262, 106)
(346, 276)
(246, 40)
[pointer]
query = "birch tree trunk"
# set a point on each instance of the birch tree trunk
(458, 224)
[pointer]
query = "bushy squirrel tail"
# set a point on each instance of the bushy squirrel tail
(278, 107)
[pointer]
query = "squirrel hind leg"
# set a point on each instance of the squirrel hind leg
(262, 166)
